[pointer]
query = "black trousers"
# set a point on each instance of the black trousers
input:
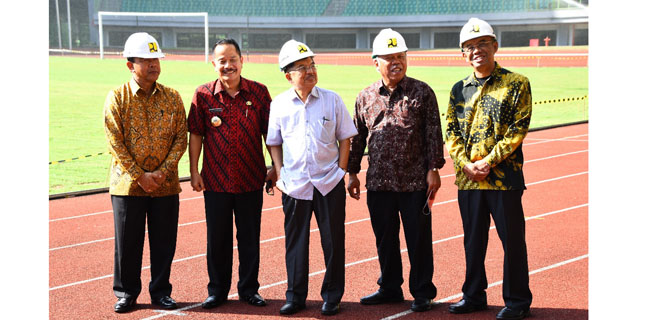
(161, 217)
(508, 214)
(219, 209)
(385, 208)
(330, 215)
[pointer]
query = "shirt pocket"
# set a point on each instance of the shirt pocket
(325, 130)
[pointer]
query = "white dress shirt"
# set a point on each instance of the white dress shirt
(309, 134)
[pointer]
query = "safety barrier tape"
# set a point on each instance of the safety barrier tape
(105, 153)
(560, 100)
(78, 158)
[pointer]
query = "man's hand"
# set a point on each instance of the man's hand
(147, 182)
(159, 177)
(197, 182)
(271, 176)
(477, 171)
(433, 184)
(354, 186)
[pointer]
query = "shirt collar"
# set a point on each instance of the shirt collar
(314, 93)
(218, 86)
(135, 87)
(473, 81)
(401, 85)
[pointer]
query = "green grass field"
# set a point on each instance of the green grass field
(78, 87)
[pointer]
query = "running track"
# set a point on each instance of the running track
(556, 206)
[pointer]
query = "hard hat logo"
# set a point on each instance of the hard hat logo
(153, 47)
(392, 42)
(302, 48)
(142, 45)
(476, 29)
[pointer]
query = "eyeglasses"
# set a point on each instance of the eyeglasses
(479, 45)
(303, 69)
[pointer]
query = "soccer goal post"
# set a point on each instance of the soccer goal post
(101, 14)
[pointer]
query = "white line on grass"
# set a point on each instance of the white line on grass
(494, 284)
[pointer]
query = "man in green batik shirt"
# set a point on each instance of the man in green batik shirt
(487, 120)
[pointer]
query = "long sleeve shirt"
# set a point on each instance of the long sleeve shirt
(144, 134)
(489, 121)
(403, 134)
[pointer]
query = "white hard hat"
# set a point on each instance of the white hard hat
(293, 51)
(142, 45)
(475, 28)
(388, 41)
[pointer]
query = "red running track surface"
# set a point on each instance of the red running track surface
(556, 207)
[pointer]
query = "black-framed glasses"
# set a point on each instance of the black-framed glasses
(479, 45)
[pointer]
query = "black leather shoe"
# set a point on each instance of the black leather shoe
(464, 306)
(380, 297)
(124, 305)
(213, 301)
(291, 307)
(165, 302)
(330, 308)
(421, 304)
(254, 300)
(512, 314)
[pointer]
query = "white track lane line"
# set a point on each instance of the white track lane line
(280, 207)
(349, 264)
(201, 197)
(494, 284)
(163, 313)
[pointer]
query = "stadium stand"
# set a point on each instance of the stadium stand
(263, 25)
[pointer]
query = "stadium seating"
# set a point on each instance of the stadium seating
(229, 8)
(301, 8)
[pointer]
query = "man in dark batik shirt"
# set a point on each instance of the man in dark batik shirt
(399, 117)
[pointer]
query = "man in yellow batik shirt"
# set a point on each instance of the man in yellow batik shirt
(487, 120)
(147, 135)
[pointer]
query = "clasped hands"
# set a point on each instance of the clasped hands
(477, 171)
(151, 181)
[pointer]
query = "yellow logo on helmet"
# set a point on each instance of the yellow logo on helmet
(392, 42)
(153, 47)
(476, 29)
(302, 49)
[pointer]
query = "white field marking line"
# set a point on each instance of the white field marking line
(494, 284)
(453, 55)
(555, 140)
(201, 197)
(166, 313)
(570, 140)
(347, 195)
(107, 211)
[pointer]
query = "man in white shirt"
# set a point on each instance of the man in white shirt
(308, 137)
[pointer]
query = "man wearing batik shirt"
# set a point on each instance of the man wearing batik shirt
(487, 120)
(399, 117)
(147, 135)
(228, 118)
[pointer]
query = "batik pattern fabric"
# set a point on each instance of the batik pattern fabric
(489, 121)
(145, 134)
(403, 134)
